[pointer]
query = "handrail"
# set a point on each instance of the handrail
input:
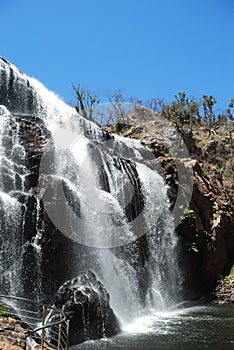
(50, 325)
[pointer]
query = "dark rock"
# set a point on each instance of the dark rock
(16, 93)
(207, 235)
(86, 303)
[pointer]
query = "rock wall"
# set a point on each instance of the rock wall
(207, 234)
(206, 230)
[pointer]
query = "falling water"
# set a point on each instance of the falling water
(113, 201)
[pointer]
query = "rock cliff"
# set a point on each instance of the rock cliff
(206, 230)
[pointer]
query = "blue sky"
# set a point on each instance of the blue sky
(150, 48)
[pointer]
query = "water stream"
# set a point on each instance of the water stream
(193, 328)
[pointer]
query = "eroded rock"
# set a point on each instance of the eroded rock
(86, 303)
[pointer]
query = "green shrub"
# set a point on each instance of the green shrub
(230, 277)
(168, 165)
(3, 310)
(191, 247)
(188, 213)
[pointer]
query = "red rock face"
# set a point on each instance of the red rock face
(207, 236)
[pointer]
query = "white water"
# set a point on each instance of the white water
(191, 329)
(104, 221)
(98, 207)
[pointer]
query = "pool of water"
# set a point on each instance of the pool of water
(200, 327)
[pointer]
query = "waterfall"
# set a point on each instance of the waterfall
(69, 190)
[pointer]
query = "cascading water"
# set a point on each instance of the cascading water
(99, 197)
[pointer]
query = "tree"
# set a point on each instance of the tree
(183, 111)
(119, 110)
(155, 104)
(231, 103)
(85, 101)
(208, 103)
(231, 118)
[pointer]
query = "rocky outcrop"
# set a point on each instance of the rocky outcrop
(86, 303)
(207, 234)
(213, 205)
(206, 229)
(224, 292)
(12, 335)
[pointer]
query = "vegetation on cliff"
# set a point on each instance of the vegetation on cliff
(224, 292)
(206, 229)
(184, 112)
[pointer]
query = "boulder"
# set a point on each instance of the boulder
(86, 303)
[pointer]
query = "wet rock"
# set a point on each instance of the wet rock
(86, 303)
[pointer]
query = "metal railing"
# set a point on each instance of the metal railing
(32, 324)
